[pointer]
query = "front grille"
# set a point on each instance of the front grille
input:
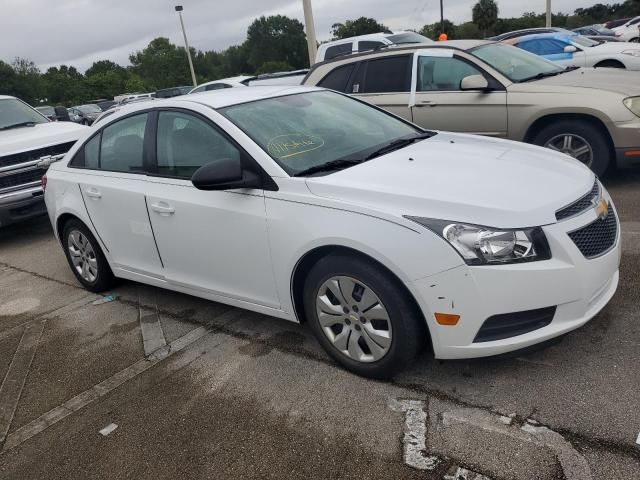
(509, 325)
(598, 237)
(22, 178)
(580, 205)
(23, 157)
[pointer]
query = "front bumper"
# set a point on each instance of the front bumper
(21, 205)
(577, 286)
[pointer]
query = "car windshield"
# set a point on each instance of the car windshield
(408, 37)
(583, 41)
(308, 130)
(514, 63)
(89, 109)
(14, 112)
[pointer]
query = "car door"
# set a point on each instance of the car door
(214, 241)
(385, 82)
(440, 104)
(113, 188)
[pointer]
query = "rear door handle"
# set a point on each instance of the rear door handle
(163, 208)
(93, 193)
(426, 103)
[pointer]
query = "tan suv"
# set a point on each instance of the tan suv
(494, 89)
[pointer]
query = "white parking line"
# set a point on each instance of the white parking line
(151, 328)
(13, 383)
(415, 433)
(88, 396)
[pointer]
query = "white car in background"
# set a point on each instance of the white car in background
(630, 31)
(571, 49)
(364, 43)
(311, 206)
(294, 77)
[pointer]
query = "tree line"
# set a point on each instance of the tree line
(274, 43)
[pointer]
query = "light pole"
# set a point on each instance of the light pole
(186, 44)
(548, 13)
(441, 17)
(311, 31)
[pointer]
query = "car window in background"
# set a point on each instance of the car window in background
(46, 110)
(338, 50)
(442, 74)
(89, 109)
(185, 143)
(388, 74)
(338, 78)
(14, 112)
(543, 46)
(216, 86)
(408, 37)
(514, 63)
(310, 129)
(122, 145)
(368, 45)
(583, 41)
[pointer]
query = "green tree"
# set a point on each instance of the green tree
(274, 66)
(8, 79)
(64, 85)
(360, 26)
(434, 30)
(28, 84)
(276, 39)
(161, 64)
(103, 66)
(485, 15)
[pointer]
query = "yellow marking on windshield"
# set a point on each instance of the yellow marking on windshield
(287, 146)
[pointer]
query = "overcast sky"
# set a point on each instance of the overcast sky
(77, 32)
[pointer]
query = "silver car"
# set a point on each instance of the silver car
(494, 89)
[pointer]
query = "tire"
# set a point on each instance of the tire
(601, 155)
(85, 122)
(610, 64)
(404, 327)
(77, 237)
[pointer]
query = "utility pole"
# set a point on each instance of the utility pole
(311, 31)
(186, 44)
(441, 17)
(548, 13)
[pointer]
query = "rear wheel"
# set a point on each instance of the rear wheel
(610, 64)
(85, 257)
(361, 317)
(582, 140)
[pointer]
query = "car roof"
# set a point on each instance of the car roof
(5, 97)
(238, 79)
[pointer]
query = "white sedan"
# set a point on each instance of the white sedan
(630, 31)
(575, 50)
(314, 207)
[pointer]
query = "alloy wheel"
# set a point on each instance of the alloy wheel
(354, 319)
(83, 256)
(573, 145)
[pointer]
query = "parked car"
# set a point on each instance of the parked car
(173, 91)
(27, 138)
(573, 49)
(598, 33)
(629, 31)
(76, 116)
(279, 78)
(495, 89)
(362, 43)
(322, 209)
(88, 112)
(598, 37)
(616, 23)
(48, 111)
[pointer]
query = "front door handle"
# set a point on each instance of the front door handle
(93, 193)
(163, 208)
(426, 103)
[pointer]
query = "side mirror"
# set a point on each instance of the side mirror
(570, 49)
(474, 82)
(224, 174)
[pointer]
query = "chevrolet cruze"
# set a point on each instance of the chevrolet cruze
(314, 207)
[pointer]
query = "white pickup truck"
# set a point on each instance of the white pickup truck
(27, 141)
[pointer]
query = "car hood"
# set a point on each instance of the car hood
(40, 135)
(616, 80)
(611, 48)
(463, 178)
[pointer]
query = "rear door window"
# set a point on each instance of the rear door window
(338, 78)
(387, 74)
(122, 145)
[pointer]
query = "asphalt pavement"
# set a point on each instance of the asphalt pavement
(146, 383)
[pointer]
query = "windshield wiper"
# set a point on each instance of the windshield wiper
(538, 76)
(329, 166)
(17, 125)
(398, 144)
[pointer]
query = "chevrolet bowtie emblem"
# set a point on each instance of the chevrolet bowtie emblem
(602, 209)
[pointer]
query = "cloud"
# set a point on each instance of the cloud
(78, 32)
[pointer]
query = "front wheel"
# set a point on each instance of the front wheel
(85, 257)
(579, 139)
(361, 316)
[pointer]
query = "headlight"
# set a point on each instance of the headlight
(479, 245)
(633, 104)
(633, 53)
